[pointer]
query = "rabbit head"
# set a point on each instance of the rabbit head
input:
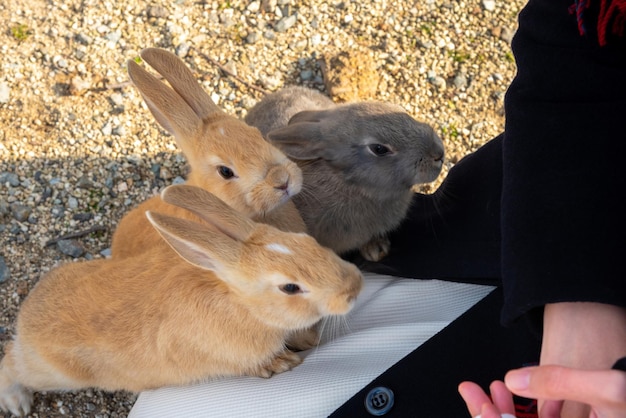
(286, 279)
(375, 146)
(226, 156)
(360, 162)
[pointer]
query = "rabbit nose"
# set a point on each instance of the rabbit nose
(279, 178)
(439, 156)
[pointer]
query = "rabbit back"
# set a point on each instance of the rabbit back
(134, 340)
(276, 109)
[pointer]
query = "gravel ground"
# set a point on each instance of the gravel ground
(78, 148)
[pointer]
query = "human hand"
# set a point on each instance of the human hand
(580, 335)
(603, 392)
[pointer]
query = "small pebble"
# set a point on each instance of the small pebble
(157, 12)
(5, 92)
(285, 23)
(20, 212)
(71, 247)
(10, 178)
(5, 273)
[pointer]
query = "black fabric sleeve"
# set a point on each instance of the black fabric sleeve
(563, 213)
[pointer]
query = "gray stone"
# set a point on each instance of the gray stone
(507, 34)
(460, 81)
(119, 131)
(113, 36)
(285, 23)
(5, 273)
(182, 50)
(306, 75)
(20, 212)
(10, 178)
(4, 207)
(82, 217)
(107, 129)
(72, 202)
(83, 39)
(253, 37)
(84, 182)
(71, 247)
(58, 211)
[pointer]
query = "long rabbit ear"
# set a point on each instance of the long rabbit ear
(200, 245)
(302, 138)
(182, 80)
(168, 108)
(211, 209)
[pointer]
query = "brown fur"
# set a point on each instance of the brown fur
(265, 178)
(157, 320)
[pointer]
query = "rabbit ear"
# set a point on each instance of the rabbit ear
(211, 209)
(182, 80)
(168, 108)
(302, 138)
(201, 245)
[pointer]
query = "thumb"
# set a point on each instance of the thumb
(593, 387)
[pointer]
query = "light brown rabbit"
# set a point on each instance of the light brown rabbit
(226, 156)
(223, 306)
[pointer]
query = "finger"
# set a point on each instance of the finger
(474, 397)
(593, 387)
(490, 411)
(502, 397)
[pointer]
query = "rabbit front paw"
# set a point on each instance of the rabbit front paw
(376, 249)
(304, 339)
(16, 399)
(284, 361)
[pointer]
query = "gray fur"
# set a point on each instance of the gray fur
(351, 198)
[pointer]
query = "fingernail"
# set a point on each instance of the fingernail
(517, 380)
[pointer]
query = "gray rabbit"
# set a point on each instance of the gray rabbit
(359, 163)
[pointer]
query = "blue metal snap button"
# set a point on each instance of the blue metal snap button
(379, 401)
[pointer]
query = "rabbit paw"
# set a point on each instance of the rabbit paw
(283, 362)
(304, 339)
(376, 249)
(16, 399)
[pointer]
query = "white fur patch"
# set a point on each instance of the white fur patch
(278, 248)
(221, 130)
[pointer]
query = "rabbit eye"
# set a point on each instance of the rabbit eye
(290, 289)
(379, 149)
(225, 172)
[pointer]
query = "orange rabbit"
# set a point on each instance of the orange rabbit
(223, 304)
